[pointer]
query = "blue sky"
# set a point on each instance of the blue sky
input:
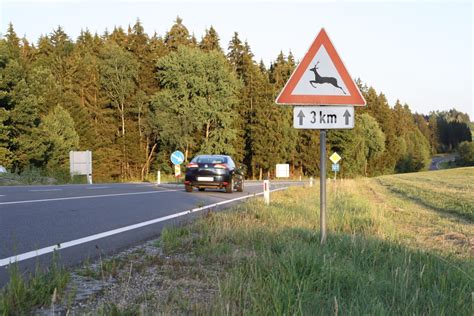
(419, 52)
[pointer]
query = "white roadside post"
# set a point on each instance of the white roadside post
(266, 191)
(311, 182)
(325, 95)
(158, 177)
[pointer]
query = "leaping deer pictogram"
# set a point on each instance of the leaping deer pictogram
(320, 80)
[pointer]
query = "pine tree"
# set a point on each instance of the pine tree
(280, 72)
(6, 156)
(210, 41)
(12, 43)
(178, 35)
(27, 141)
(58, 128)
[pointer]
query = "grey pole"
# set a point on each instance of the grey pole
(322, 185)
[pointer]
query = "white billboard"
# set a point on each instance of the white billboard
(80, 162)
(282, 170)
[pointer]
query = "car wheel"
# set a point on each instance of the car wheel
(189, 188)
(240, 188)
(201, 189)
(230, 186)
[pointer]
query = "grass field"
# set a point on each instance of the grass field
(397, 245)
(445, 190)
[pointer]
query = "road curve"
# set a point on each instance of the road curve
(436, 161)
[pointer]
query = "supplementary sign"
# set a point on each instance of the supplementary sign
(323, 117)
(177, 170)
(321, 78)
(335, 158)
(335, 167)
(177, 157)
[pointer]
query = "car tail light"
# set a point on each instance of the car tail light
(221, 166)
(192, 165)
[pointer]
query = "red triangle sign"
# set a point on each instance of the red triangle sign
(321, 79)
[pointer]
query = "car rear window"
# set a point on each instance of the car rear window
(211, 159)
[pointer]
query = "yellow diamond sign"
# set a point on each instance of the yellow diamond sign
(335, 158)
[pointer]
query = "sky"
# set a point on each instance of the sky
(418, 52)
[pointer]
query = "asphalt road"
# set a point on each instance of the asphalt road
(436, 161)
(85, 221)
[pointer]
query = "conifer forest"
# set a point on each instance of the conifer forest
(132, 98)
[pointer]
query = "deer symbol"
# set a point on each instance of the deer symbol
(320, 80)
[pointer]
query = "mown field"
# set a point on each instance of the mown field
(445, 190)
(397, 245)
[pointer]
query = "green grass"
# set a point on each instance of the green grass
(35, 176)
(447, 164)
(445, 190)
(381, 256)
(22, 294)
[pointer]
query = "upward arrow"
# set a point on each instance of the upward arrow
(347, 115)
(301, 116)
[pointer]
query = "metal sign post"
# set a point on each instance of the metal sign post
(322, 184)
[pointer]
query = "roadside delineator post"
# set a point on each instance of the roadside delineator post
(266, 191)
(311, 182)
(158, 177)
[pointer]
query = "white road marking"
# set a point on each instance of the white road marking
(45, 190)
(96, 188)
(2, 195)
(72, 243)
(84, 197)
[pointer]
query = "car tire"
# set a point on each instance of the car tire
(189, 188)
(229, 187)
(240, 188)
(201, 189)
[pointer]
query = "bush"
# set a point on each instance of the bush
(466, 154)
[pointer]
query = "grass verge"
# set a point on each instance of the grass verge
(370, 265)
(22, 294)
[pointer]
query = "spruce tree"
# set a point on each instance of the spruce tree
(210, 41)
(61, 137)
(178, 35)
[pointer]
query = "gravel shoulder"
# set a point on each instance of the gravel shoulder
(140, 280)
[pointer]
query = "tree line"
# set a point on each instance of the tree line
(133, 99)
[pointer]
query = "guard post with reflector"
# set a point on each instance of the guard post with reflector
(266, 191)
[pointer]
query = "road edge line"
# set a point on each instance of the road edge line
(76, 242)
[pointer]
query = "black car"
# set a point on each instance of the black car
(213, 171)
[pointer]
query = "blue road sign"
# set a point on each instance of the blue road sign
(335, 167)
(177, 157)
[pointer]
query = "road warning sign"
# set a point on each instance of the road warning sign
(321, 78)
